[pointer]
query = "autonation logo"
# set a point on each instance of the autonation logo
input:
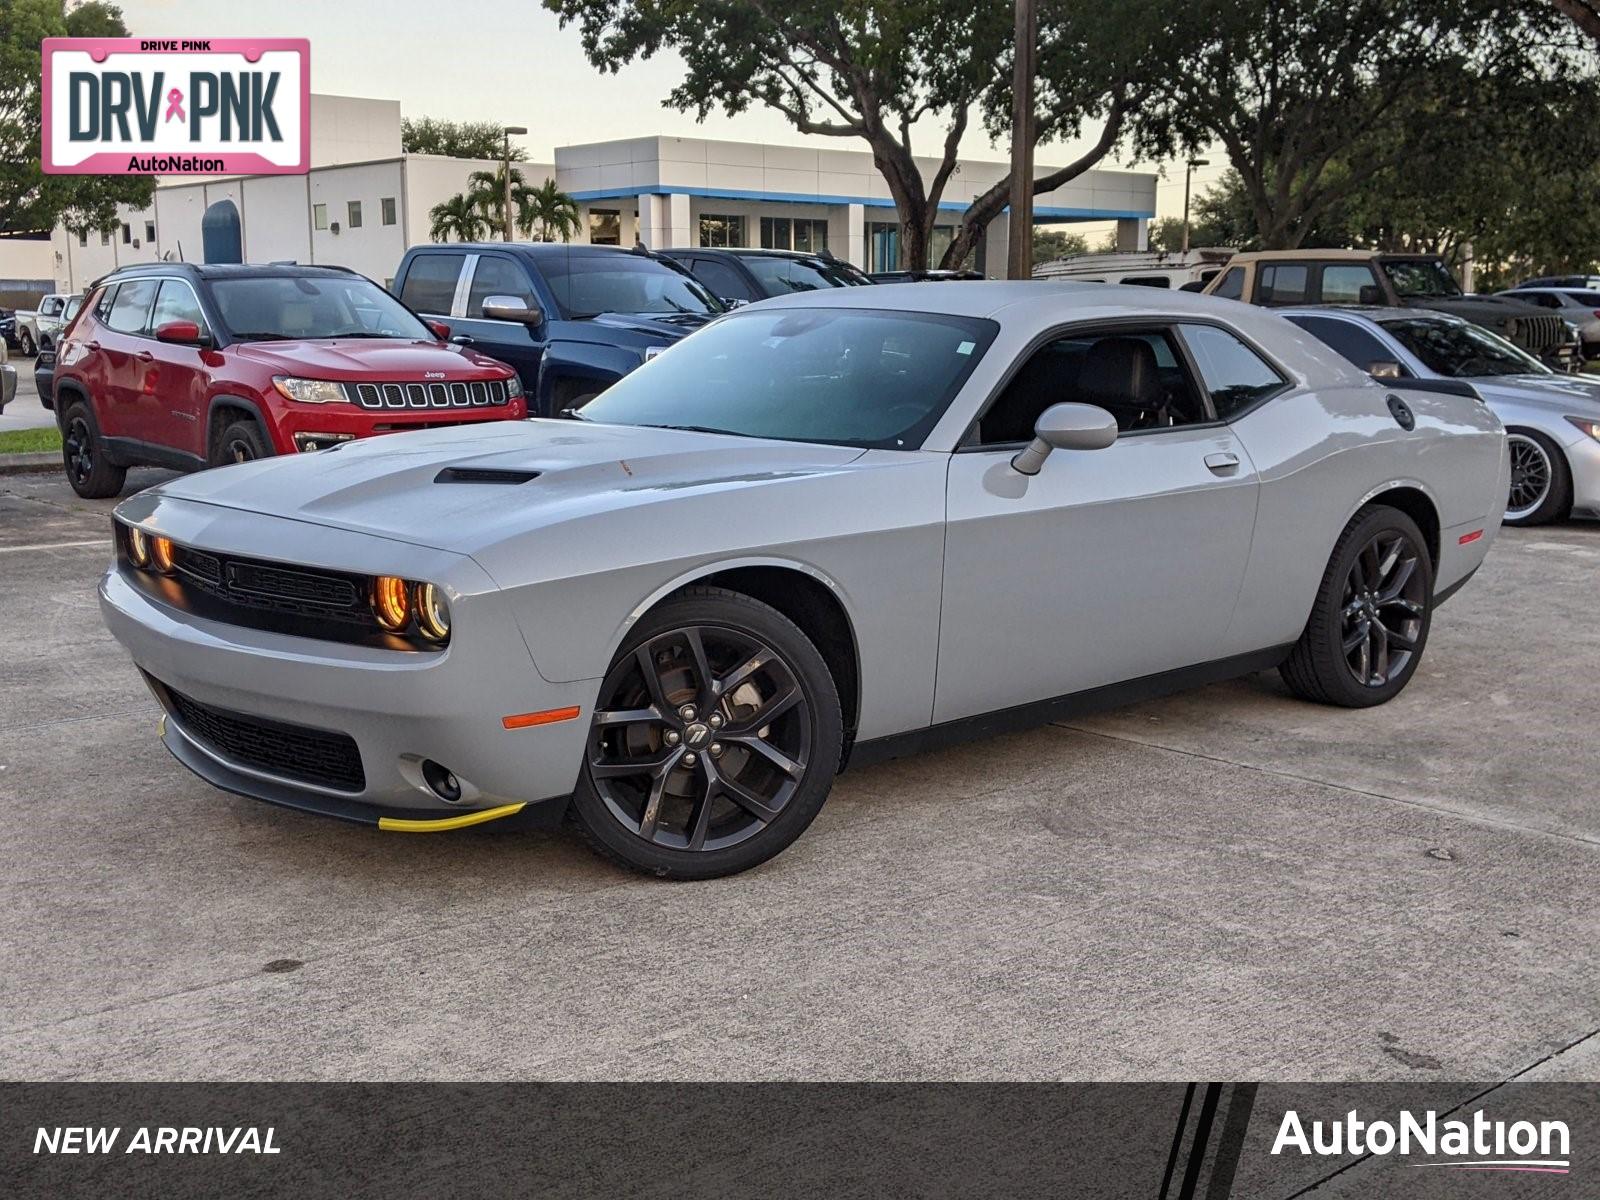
(1476, 1145)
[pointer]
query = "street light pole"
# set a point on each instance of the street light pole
(1019, 231)
(506, 167)
(1188, 168)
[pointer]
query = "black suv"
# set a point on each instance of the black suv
(741, 276)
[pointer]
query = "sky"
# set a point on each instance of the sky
(510, 61)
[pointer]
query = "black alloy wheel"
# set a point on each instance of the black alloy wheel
(1385, 601)
(714, 740)
(90, 472)
(77, 450)
(1541, 481)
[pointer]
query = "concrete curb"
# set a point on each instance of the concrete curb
(25, 464)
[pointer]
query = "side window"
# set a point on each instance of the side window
(1348, 340)
(1235, 375)
(131, 309)
(103, 302)
(1232, 285)
(1342, 282)
(1542, 299)
(1146, 281)
(176, 302)
(1136, 376)
(430, 285)
(1281, 283)
(495, 276)
(722, 279)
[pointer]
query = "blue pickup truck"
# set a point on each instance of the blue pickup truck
(571, 319)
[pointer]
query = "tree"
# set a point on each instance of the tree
(1051, 244)
(30, 200)
(456, 139)
(1584, 13)
(1315, 101)
(869, 70)
(460, 217)
(549, 210)
(487, 190)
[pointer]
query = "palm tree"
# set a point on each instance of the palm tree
(459, 215)
(488, 191)
(550, 209)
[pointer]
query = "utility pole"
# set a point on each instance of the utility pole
(1188, 169)
(506, 167)
(1019, 232)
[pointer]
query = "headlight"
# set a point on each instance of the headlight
(1589, 425)
(161, 554)
(309, 391)
(514, 386)
(433, 612)
(391, 602)
(138, 547)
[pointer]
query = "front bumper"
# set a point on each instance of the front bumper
(8, 385)
(1583, 456)
(323, 424)
(400, 708)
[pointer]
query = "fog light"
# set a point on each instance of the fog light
(161, 554)
(138, 547)
(433, 613)
(391, 602)
(442, 780)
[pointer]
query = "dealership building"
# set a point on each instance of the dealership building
(365, 201)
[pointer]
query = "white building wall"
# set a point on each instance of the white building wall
(372, 248)
(277, 218)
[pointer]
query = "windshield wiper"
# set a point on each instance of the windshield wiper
(263, 336)
(696, 429)
(364, 333)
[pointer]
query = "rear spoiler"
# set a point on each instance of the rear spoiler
(1445, 387)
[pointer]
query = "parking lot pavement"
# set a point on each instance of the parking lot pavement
(25, 411)
(1224, 884)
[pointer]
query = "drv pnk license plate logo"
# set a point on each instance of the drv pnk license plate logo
(153, 106)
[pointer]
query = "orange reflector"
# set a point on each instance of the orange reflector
(548, 717)
(1467, 538)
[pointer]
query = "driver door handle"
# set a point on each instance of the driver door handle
(1222, 463)
(145, 356)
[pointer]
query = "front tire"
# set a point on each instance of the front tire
(25, 341)
(240, 442)
(1541, 481)
(83, 454)
(1370, 621)
(714, 742)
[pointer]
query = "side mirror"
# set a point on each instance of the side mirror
(1370, 294)
(510, 308)
(182, 333)
(440, 330)
(1384, 370)
(1066, 427)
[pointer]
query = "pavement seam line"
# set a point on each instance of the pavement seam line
(1467, 818)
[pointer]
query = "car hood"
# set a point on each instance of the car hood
(648, 328)
(1570, 393)
(1490, 311)
(464, 487)
(368, 359)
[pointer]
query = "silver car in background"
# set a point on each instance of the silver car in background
(830, 526)
(1552, 420)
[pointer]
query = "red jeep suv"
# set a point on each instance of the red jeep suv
(188, 366)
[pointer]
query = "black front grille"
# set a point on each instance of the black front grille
(1538, 333)
(268, 587)
(479, 394)
(316, 756)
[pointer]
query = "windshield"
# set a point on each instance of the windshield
(1420, 277)
(1462, 351)
(587, 285)
(295, 307)
(851, 377)
(71, 310)
(779, 275)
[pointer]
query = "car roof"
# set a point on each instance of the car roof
(989, 297)
(1373, 312)
(750, 252)
(224, 271)
(1245, 256)
(533, 249)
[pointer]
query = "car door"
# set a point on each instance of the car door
(128, 406)
(1108, 565)
(515, 343)
(181, 380)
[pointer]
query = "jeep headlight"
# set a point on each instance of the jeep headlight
(514, 387)
(309, 391)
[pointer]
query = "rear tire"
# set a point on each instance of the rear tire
(239, 442)
(1541, 481)
(723, 754)
(1370, 621)
(25, 344)
(83, 455)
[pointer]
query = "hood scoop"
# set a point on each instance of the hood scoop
(503, 475)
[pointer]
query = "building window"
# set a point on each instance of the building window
(83, 237)
(105, 237)
(319, 216)
(883, 246)
(721, 231)
(605, 227)
(785, 233)
(387, 213)
(354, 208)
(150, 232)
(127, 234)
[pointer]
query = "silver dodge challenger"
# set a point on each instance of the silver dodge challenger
(827, 528)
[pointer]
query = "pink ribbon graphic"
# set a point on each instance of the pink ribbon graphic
(175, 105)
